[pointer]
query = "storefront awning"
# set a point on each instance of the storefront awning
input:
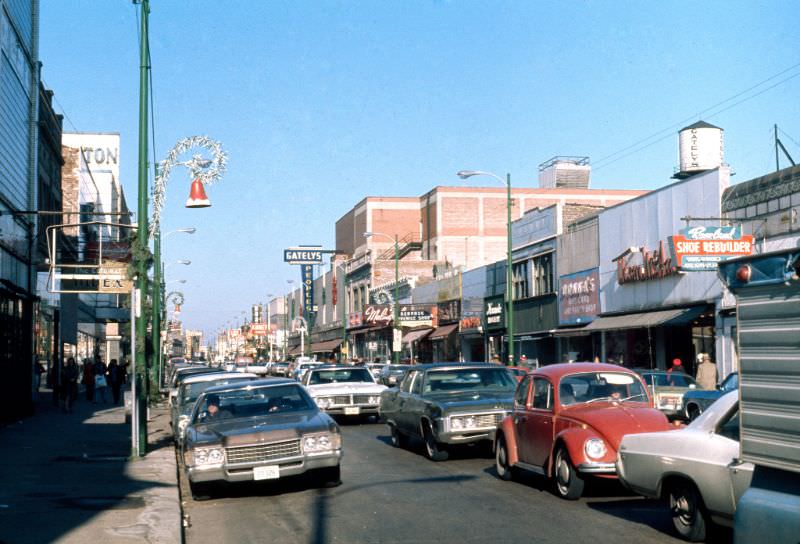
(676, 316)
(574, 331)
(443, 332)
(413, 336)
(295, 350)
(325, 347)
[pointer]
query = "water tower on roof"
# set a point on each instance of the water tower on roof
(565, 172)
(701, 148)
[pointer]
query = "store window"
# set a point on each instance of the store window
(520, 280)
(542, 274)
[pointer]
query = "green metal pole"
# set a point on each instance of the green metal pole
(395, 353)
(509, 287)
(157, 294)
(140, 368)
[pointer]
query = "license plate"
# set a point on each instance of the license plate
(266, 473)
(352, 410)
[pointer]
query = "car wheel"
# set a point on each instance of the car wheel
(398, 438)
(330, 476)
(692, 411)
(569, 483)
(433, 449)
(504, 470)
(201, 491)
(688, 513)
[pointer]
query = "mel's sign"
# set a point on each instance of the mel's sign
(702, 248)
(299, 255)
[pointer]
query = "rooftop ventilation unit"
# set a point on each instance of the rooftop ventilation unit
(566, 172)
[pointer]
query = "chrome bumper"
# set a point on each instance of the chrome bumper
(597, 468)
(244, 473)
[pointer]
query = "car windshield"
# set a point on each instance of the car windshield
(340, 375)
(190, 392)
(253, 402)
(731, 383)
(469, 379)
(601, 386)
(671, 379)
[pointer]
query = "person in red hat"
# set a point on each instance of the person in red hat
(677, 366)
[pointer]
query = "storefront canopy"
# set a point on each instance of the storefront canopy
(325, 347)
(676, 316)
(413, 336)
(443, 332)
(295, 350)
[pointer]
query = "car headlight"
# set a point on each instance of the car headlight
(374, 399)
(316, 443)
(595, 448)
(323, 402)
(208, 456)
(465, 422)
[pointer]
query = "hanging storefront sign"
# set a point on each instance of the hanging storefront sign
(449, 311)
(702, 248)
(579, 297)
(258, 329)
(308, 289)
(641, 264)
(411, 315)
(416, 315)
(355, 319)
(494, 310)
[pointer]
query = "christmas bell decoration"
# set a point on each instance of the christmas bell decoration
(197, 196)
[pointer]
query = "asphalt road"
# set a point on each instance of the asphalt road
(397, 495)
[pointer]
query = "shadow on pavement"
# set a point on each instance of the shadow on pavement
(68, 473)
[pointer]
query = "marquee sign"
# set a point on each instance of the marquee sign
(702, 248)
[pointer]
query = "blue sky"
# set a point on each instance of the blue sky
(320, 104)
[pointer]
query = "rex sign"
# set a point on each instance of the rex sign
(702, 248)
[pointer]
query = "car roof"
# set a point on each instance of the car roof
(443, 366)
(264, 382)
(211, 376)
(336, 367)
(558, 371)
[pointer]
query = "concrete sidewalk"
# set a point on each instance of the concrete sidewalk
(69, 478)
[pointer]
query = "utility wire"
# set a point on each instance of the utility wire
(660, 135)
(787, 135)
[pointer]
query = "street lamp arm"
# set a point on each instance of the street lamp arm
(464, 174)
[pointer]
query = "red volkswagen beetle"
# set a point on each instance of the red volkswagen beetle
(568, 420)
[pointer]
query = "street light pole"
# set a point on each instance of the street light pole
(140, 363)
(464, 174)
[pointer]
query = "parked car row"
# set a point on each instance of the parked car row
(574, 422)
(570, 423)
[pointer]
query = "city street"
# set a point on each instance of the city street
(397, 495)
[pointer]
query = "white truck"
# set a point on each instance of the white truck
(767, 290)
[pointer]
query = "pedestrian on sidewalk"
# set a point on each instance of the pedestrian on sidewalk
(70, 386)
(38, 370)
(88, 378)
(115, 379)
(100, 381)
(706, 372)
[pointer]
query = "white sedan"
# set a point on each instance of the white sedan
(696, 468)
(345, 390)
